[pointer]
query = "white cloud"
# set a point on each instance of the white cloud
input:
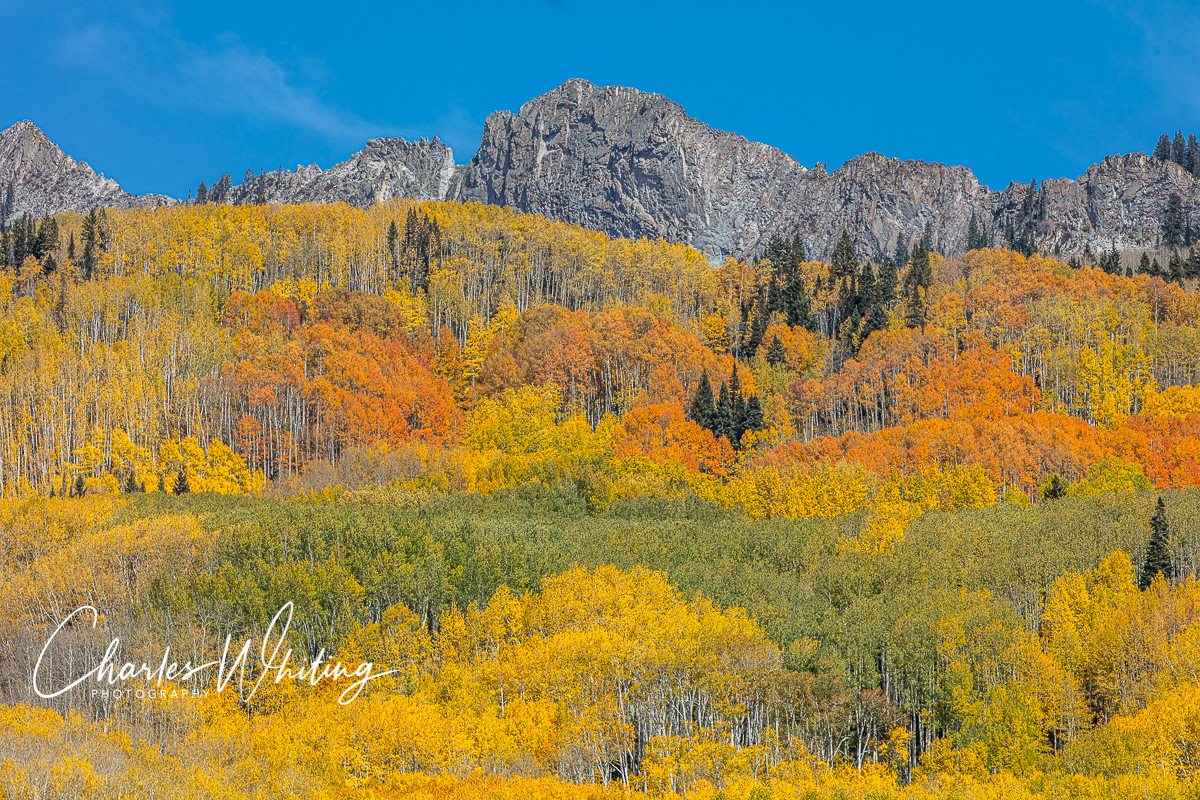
(145, 51)
(233, 75)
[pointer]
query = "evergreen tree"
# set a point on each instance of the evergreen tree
(1192, 270)
(1055, 488)
(1192, 154)
(900, 259)
(1110, 262)
(1173, 221)
(844, 263)
(47, 237)
(776, 355)
(722, 418)
(220, 192)
(701, 411)
(1179, 149)
(1175, 268)
(916, 283)
(181, 483)
(91, 244)
(737, 405)
(1144, 264)
(758, 324)
(260, 196)
(393, 241)
(201, 194)
(130, 484)
(752, 416)
(1158, 551)
(885, 287)
(1162, 150)
(10, 205)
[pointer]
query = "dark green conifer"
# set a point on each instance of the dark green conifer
(1179, 149)
(701, 411)
(900, 259)
(752, 416)
(1162, 150)
(845, 261)
(1158, 551)
(723, 414)
(776, 355)
(1055, 488)
(916, 283)
(1173, 221)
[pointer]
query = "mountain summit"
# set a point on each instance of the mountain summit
(634, 164)
(44, 180)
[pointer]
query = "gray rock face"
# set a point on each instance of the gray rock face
(383, 170)
(634, 164)
(45, 180)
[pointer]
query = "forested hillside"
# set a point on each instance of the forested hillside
(625, 523)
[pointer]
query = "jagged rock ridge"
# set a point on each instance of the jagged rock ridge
(45, 180)
(634, 164)
(386, 168)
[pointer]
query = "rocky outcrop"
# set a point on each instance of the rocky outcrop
(44, 180)
(385, 169)
(634, 164)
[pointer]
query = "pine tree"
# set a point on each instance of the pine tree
(1179, 149)
(1158, 552)
(181, 483)
(916, 283)
(220, 192)
(1192, 154)
(845, 261)
(1055, 488)
(900, 259)
(722, 418)
(393, 237)
(701, 411)
(1193, 263)
(885, 287)
(201, 194)
(737, 405)
(10, 205)
(1144, 264)
(47, 237)
(1162, 151)
(91, 244)
(776, 355)
(752, 416)
(1173, 221)
(1175, 268)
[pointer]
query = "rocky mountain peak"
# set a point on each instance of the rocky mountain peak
(44, 180)
(634, 164)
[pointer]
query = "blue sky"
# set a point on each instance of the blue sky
(160, 96)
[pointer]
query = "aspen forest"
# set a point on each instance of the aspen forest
(616, 520)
